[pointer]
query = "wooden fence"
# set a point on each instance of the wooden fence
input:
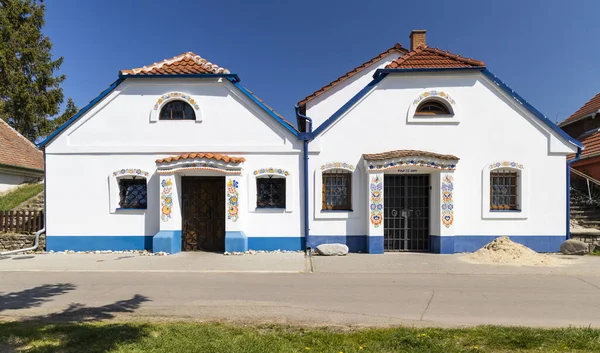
(21, 222)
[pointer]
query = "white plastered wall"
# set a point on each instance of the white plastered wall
(492, 128)
(118, 133)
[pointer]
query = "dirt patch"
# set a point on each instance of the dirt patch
(503, 251)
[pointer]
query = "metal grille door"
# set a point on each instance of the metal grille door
(203, 206)
(406, 213)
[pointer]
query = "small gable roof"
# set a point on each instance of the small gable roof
(397, 48)
(430, 58)
(17, 151)
(592, 106)
(186, 63)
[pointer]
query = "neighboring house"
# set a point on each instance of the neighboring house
(20, 160)
(419, 150)
(584, 125)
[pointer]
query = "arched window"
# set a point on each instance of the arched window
(177, 110)
(432, 107)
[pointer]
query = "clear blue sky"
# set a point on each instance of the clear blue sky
(547, 51)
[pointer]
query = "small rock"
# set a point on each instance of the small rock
(332, 249)
(574, 247)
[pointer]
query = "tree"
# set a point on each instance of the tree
(70, 110)
(29, 90)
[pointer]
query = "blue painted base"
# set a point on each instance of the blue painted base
(355, 243)
(236, 242)
(168, 241)
(470, 243)
(375, 245)
(98, 242)
(276, 243)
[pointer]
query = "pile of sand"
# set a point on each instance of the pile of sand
(503, 251)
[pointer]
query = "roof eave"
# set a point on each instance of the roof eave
(566, 123)
(428, 69)
(228, 76)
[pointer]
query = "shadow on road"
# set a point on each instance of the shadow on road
(32, 334)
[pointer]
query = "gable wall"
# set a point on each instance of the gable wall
(491, 129)
(324, 105)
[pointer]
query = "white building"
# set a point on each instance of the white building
(418, 150)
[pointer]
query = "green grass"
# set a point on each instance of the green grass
(222, 338)
(20, 195)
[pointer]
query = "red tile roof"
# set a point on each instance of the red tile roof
(397, 48)
(216, 156)
(17, 151)
(592, 106)
(186, 63)
(591, 146)
(426, 57)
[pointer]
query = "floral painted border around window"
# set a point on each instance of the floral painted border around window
(376, 206)
(506, 164)
(232, 200)
(166, 199)
(271, 170)
(413, 163)
(169, 95)
(131, 171)
(447, 202)
(434, 93)
(335, 165)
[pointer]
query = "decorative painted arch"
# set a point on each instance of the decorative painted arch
(338, 165)
(271, 171)
(130, 172)
(434, 94)
(171, 96)
(439, 96)
(506, 164)
(409, 158)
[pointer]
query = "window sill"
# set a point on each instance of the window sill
(502, 211)
(339, 211)
(270, 209)
(131, 209)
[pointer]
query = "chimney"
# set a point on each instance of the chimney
(417, 38)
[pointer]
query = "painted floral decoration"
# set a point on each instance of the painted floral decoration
(176, 95)
(131, 171)
(166, 199)
(447, 202)
(376, 206)
(271, 170)
(334, 165)
(509, 164)
(434, 93)
(232, 200)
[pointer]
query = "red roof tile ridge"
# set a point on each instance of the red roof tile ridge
(207, 155)
(21, 136)
(396, 48)
(424, 48)
(214, 68)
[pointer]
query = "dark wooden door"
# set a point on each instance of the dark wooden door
(203, 206)
(406, 213)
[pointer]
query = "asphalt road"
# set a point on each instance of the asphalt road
(305, 298)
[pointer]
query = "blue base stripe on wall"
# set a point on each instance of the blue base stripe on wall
(470, 243)
(276, 243)
(98, 242)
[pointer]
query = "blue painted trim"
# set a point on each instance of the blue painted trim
(355, 243)
(441, 245)
(236, 242)
(375, 244)
(529, 107)
(263, 107)
(81, 112)
(348, 104)
(389, 71)
(97, 242)
(305, 136)
(539, 243)
(568, 211)
(168, 241)
(276, 243)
